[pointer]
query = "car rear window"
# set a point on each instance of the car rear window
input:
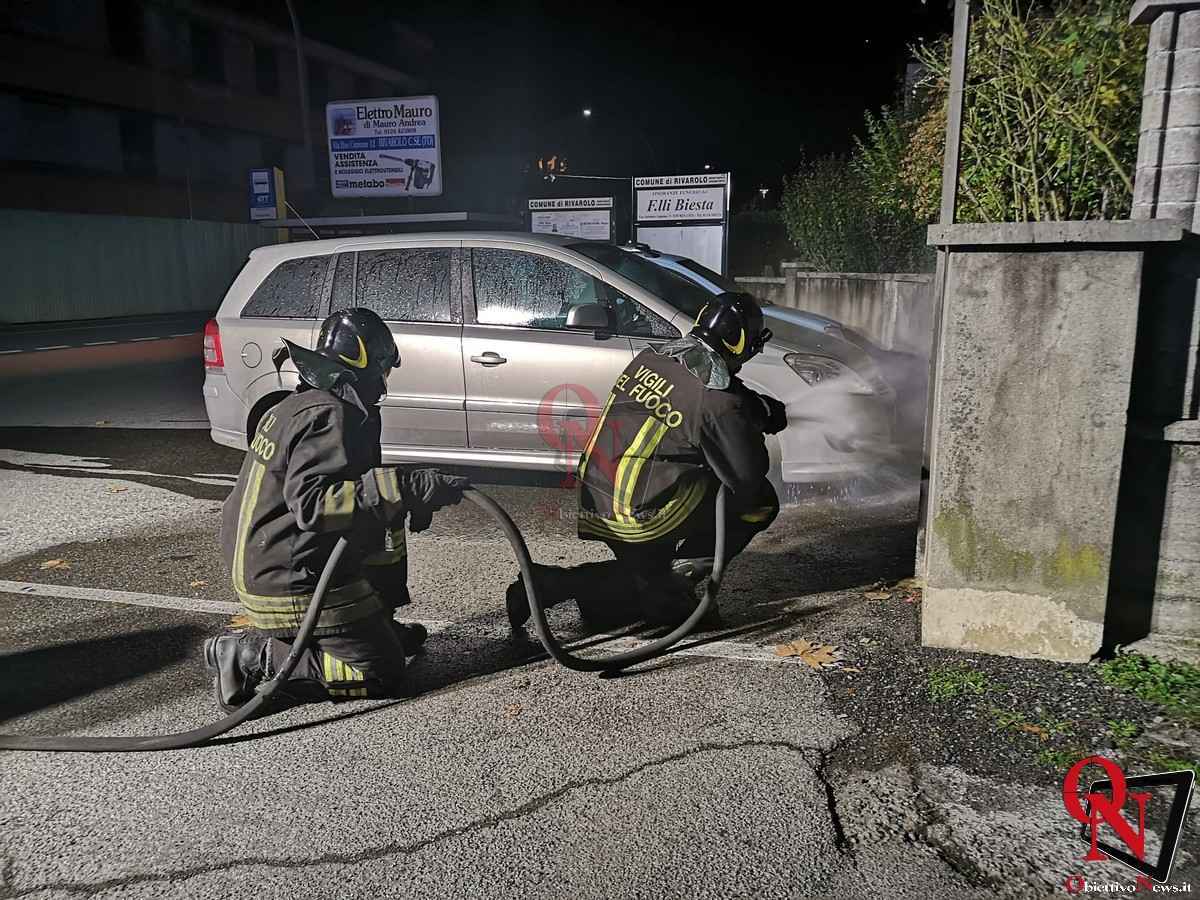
(293, 290)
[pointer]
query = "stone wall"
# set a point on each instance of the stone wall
(893, 310)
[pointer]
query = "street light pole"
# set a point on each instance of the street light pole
(302, 75)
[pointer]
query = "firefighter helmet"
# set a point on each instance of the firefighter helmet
(353, 344)
(732, 324)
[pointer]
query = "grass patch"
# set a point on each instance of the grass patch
(1060, 759)
(1160, 762)
(1122, 732)
(947, 682)
(1175, 686)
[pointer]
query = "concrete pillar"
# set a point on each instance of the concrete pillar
(1027, 534)
(1167, 181)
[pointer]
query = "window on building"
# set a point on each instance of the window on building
(274, 152)
(318, 83)
(410, 285)
(208, 61)
(266, 70)
(126, 29)
(137, 144)
(293, 290)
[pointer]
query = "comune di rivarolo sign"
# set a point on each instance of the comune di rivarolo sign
(684, 214)
(384, 147)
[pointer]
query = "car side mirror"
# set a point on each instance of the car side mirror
(588, 316)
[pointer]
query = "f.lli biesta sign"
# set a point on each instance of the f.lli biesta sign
(681, 198)
(389, 147)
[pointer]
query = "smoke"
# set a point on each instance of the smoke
(870, 446)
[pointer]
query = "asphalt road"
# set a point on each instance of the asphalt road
(713, 773)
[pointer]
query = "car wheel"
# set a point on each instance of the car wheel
(260, 409)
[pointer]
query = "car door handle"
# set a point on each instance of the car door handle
(489, 359)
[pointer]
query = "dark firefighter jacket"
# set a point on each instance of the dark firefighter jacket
(312, 475)
(662, 442)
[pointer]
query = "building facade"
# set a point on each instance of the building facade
(160, 107)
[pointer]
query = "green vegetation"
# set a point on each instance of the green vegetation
(1122, 731)
(1060, 759)
(1050, 132)
(1175, 686)
(1160, 762)
(1051, 112)
(948, 682)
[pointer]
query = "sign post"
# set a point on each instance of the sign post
(388, 147)
(268, 200)
(685, 214)
(588, 218)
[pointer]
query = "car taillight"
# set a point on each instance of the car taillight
(213, 357)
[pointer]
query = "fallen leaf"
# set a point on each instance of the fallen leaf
(239, 621)
(816, 656)
(851, 669)
(512, 710)
(116, 489)
(878, 595)
(55, 564)
(198, 583)
(1036, 729)
(914, 597)
(909, 584)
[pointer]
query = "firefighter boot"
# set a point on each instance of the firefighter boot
(239, 662)
(668, 598)
(553, 587)
(412, 635)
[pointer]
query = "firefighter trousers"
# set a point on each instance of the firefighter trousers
(639, 582)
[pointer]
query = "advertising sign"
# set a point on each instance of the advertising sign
(389, 147)
(684, 214)
(681, 204)
(264, 195)
(589, 218)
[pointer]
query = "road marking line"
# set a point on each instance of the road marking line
(103, 595)
(713, 649)
(185, 334)
(55, 347)
(98, 343)
(151, 338)
(11, 351)
(156, 601)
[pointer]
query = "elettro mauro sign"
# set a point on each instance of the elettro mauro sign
(386, 147)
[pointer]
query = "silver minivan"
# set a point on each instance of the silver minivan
(510, 344)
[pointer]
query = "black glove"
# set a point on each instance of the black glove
(777, 418)
(426, 491)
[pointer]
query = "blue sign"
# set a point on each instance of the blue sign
(262, 194)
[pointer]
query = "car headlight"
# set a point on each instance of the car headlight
(820, 370)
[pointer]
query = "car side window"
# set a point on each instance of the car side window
(631, 318)
(411, 284)
(293, 290)
(517, 288)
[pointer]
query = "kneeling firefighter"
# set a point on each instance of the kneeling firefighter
(313, 474)
(677, 424)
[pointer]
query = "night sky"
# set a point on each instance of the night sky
(671, 89)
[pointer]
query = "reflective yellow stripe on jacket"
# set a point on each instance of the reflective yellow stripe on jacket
(672, 515)
(591, 444)
(630, 467)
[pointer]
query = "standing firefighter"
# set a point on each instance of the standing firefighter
(311, 476)
(677, 424)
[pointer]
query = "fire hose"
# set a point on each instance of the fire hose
(264, 692)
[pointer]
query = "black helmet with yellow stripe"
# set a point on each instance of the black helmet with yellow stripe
(732, 324)
(353, 345)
